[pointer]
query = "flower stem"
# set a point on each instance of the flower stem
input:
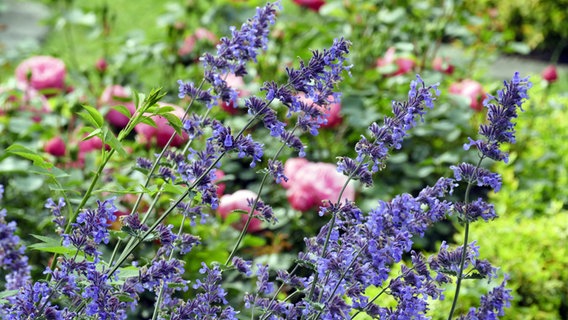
(465, 240)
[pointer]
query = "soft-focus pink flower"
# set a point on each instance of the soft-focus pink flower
(200, 34)
(472, 90)
(108, 98)
(41, 72)
(403, 64)
(219, 174)
(332, 112)
(163, 131)
(55, 146)
(101, 65)
(442, 65)
(94, 143)
(238, 201)
(314, 5)
(549, 74)
(310, 183)
(24, 100)
(238, 84)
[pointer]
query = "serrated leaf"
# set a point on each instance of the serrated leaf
(128, 272)
(123, 110)
(51, 245)
(175, 189)
(164, 109)
(95, 132)
(6, 294)
(174, 121)
(92, 116)
(137, 98)
(113, 142)
(149, 121)
(26, 153)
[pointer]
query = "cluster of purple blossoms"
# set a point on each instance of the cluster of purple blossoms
(12, 253)
(306, 94)
(388, 136)
(232, 56)
(501, 111)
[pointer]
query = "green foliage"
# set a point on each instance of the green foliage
(539, 23)
(534, 254)
(538, 169)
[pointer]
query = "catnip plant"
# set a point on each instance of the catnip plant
(352, 252)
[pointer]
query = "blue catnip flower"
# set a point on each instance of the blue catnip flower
(389, 136)
(501, 111)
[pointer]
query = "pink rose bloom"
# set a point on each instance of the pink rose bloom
(238, 84)
(332, 112)
(219, 174)
(549, 74)
(442, 65)
(55, 146)
(25, 100)
(404, 64)
(311, 183)
(108, 98)
(313, 5)
(162, 132)
(200, 34)
(238, 201)
(94, 143)
(41, 72)
(101, 65)
(472, 90)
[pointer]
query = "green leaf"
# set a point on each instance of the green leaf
(6, 294)
(51, 245)
(124, 110)
(95, 132)
(113, 142)
(174, 121)
(92, 116)
(175, 189)
(149, 121)
(164, 109)
(128, 272)
(26, 153)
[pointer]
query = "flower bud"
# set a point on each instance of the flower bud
(549, 74)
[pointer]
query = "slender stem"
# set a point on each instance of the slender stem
(163, 287)
(331, 225)
(265, 316)
(380, 293)
(138, 240)
(342, 277)
(465, 240)
(251, 212)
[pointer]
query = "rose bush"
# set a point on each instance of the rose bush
(41, 73)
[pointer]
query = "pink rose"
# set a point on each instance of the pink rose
(108, 98)
(101, 65)
(239, 201)
(219, 174)
(55, 146)
(163, 131)
(314, 5)
(332, 112)
(238, 84)
(403, 65)
(41, 72)
(549, 74)
(24, 100)
(200, 34)
(442, 65)
(311, 183)
(472, 90)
